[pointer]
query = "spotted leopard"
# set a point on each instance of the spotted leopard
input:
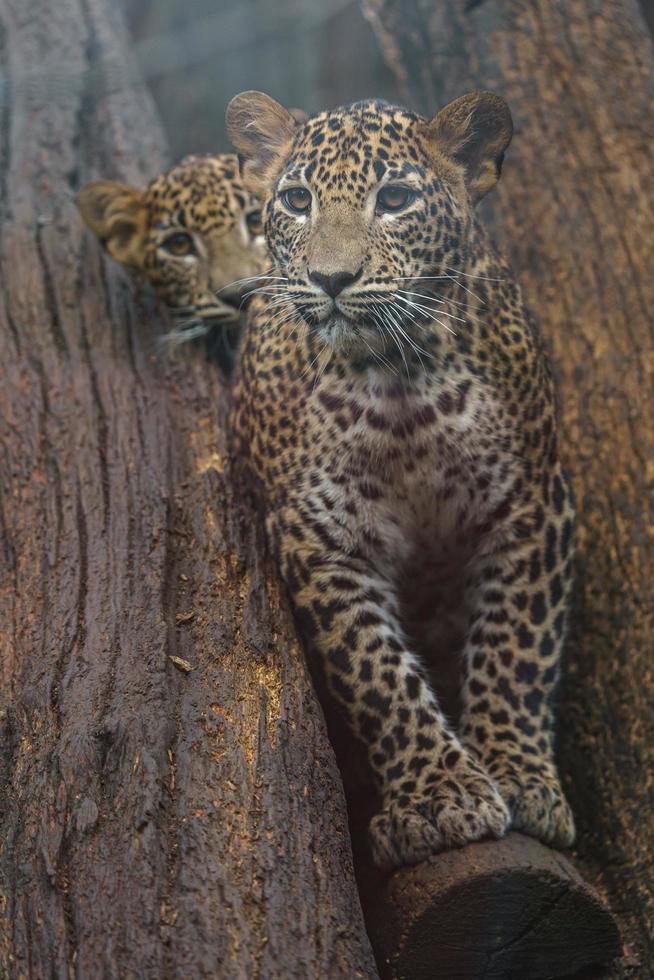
(194, 234)
(396, 405)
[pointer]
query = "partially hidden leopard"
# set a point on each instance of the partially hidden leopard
(397, 408)
(194, 234)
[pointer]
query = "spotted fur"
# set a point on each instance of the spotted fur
(201, 200)
(396, 404)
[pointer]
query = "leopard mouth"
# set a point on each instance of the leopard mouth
(337, 327)
(221, 318)
(218, 312)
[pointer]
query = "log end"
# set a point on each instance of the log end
(497, 909)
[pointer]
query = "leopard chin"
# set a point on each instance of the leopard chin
(344, 333)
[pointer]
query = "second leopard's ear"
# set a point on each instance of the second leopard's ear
(474, 130)
(118, 215)
(261, 130)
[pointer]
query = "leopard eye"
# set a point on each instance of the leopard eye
(255, 223)
(297, 199)
(179, 244)
(394, 197)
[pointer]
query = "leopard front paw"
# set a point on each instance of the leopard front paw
(536, 802)
(451, 812)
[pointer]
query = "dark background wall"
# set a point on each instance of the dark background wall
(196, 55)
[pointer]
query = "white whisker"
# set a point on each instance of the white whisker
(472, 275)
(425, 296)
(419, 350)
(416, 278)
(269, 290)
(246, 279)
(430, 313)
(313, 361)
(377, 355)
(383, 312)
(177, 337)
(321, 370)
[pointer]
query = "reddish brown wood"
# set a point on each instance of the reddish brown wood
(154, 821)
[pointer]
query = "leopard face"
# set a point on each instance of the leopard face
(366, 204)
(194, 234)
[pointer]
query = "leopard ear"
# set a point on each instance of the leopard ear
(299, 116)
(262, 132)
(119, 217)
(475, 130)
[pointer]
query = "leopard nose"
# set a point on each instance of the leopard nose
(336, 282)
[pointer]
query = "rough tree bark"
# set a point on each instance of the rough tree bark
(574, 211)
(155, 821)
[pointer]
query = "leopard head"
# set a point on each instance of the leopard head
(194, 233)
(365, 204)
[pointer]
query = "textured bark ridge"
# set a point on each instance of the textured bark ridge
(169, 803)
(574, 211)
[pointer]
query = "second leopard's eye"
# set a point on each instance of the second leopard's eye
(254, 221)
(297, 199)
(179, 244)
(394, 197)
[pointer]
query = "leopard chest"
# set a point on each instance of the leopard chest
(397, 470)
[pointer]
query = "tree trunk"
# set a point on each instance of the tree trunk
(574, 211)
(169, 802)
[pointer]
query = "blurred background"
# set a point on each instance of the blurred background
(194, 56)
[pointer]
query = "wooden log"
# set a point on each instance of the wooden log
(512, 909)
(169, 802)
(574, 212)
(497, 909)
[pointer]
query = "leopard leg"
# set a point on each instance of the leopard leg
(511, 658)
(435, 794)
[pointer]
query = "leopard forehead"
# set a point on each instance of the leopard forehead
(202, 193)
(348, 150)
